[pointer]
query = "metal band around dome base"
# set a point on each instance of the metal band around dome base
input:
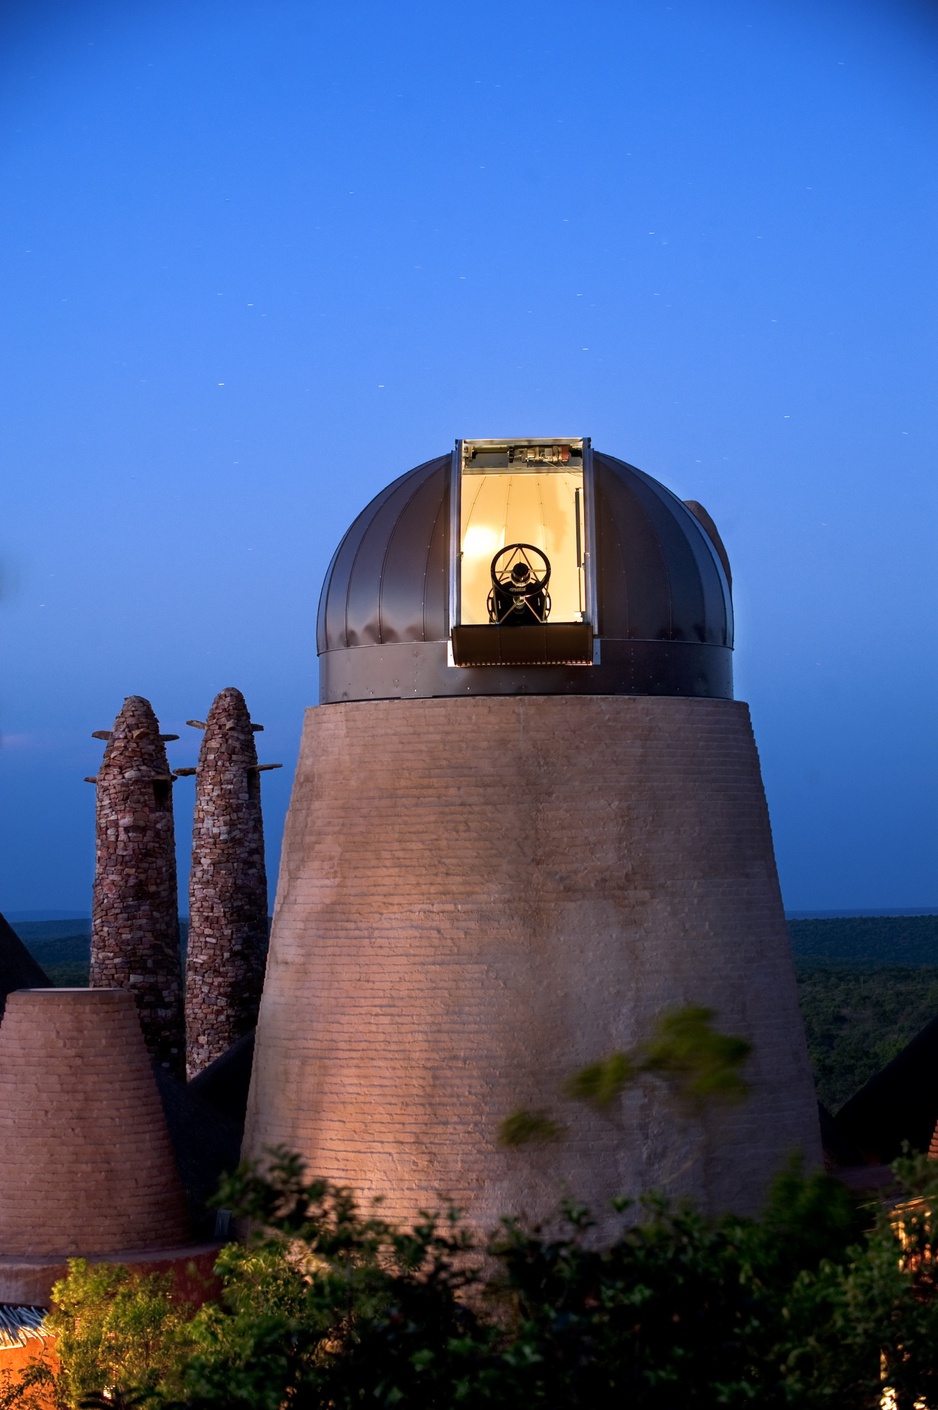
(420, 670)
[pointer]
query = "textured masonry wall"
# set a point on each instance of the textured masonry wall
(227, 887)
(86, 1164)
(478, 896)
(135, 911)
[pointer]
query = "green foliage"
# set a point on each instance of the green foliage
(68, 976)
(524, 1126)
(600, 1083)
(867, 984)
(116, 1329)
(702, 1065)
(32, 1387)
(680, 1311)
(699, 1065)
(332, 1309)
(115, 1400)
(63, 948)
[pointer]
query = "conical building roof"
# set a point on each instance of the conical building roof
(86, 1165)
(18, 969)
(899, 1104)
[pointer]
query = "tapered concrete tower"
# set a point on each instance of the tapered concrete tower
(528, 820)
(135, 910)
(227, 886)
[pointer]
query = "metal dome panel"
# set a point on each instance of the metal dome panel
(387, 581)
(660, 575)
(659, 601)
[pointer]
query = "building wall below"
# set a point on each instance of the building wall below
(29, 1281)
(16, 1361)
(477, 897)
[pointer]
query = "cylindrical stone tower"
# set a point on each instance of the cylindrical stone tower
(227, 886)
(86, 1164)
(135, 910)
(528, 821)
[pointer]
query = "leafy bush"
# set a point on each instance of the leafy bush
(31, 1384)
(116, 1327)
(698, 1065)
(806, 1307)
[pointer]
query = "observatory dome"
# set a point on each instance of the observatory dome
(538, 567)
(527, 821)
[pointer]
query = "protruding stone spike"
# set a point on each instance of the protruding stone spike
(256, 728)
(167, 738)
(135, 912)
(89, 779)
(262, 768)
(196, 724)
(184, 773)
(227, 887)
(101, 734)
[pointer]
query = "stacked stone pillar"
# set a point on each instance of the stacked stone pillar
(135, 912)
(227, 886)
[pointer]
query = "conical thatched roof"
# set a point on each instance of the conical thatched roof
(899, 1104)
(225, 1083)
(18, 969)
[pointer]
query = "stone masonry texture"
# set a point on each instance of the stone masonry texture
(135, 911)
(86, 1165)
(479, 896)
(227, 887)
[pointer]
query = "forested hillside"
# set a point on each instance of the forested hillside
(858, 1018)
(867, 985)
(907, 941)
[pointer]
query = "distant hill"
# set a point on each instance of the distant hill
(41, 930)
(882, 939)
(869, 941)
(65, 958)
(14, 916)
(63, 948)
(867, 984)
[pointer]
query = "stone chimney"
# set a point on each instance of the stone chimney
(135, 911)
(227, 885)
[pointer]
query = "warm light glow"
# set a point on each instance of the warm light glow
(502, 507)
(480, 542)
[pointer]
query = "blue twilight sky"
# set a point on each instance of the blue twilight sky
(260, 256)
